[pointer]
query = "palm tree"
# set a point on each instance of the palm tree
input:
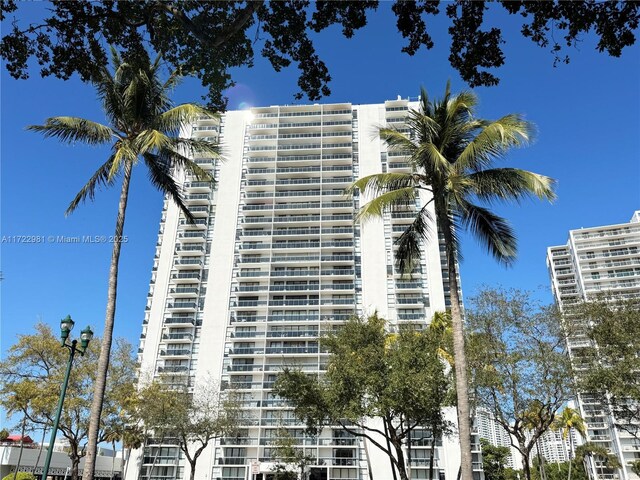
(569, 420)
(113, 436)
(451, 154)
(143, 125)
(598, 452)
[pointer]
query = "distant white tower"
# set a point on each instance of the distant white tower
(594, 260)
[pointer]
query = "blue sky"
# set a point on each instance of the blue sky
(588, 121)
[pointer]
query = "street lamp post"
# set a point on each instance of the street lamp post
(66, 325)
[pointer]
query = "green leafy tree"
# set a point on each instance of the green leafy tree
(559, 471)
(451, 154)
(569, 420)
(286, 452)
(194, 416)
(520, 372)
(157, 406)
(396, 379)
(4, 433)
(20, 476)
(602, 459)
(71, 36)
(635, 467)
(144, 125)
(206, 414)
(30, 380)
(494, 460)
(612, 359)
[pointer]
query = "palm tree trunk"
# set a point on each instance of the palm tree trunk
(107, 334)
(570, 453)
(459, 355)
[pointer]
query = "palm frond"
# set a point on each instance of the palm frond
(174, 79)
(431, 160)
(463, 104)
(493, 232)
(123, 153)
(494, 140)
(172, 120)
(505, 184)
(160, 175)
(150, 140)
(410, 242)
(397, 141)
(193, 147)
(100, 178)
(177, 160)
(74, 129)
(423, 127)
(379, 183)
(395, 200)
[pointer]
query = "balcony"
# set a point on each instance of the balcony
(176, 352)
(313, 287)
(290, 350)
(294, 303)
(190, 236)
(294, 258)
(296, 231)
(174, 369)
(246, 351)
(176, 337)
(252, 288)
(199, 210)
(338, 272)
(198, 186)
(311, 317)
(243, 334)
(193, 249)
(188, 263)
(293, 334)
(182, 306)
(337, 286)
(197, 198)
(248, 318)
(178, 292)
(198, 223)
(293, 244)
(296, 218)
(295, 273)
(187, 277)
(252, 274)
(249, 303)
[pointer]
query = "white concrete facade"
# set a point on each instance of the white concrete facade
(596, 260)
(33, 457)
(274, 260)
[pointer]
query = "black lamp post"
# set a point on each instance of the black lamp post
(66, 325)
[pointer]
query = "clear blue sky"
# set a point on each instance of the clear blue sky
(587, 115)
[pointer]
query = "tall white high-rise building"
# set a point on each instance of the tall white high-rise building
(595, 260)
(490, 430)
(274, 260)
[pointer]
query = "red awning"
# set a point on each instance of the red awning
(16, 438)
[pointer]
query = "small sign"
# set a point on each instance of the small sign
(255, 468)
